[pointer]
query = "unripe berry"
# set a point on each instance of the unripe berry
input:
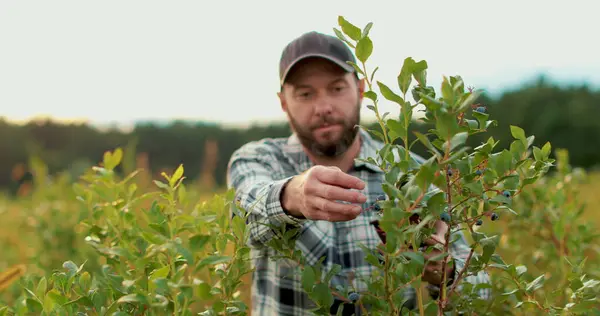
(354, 296)
(445, 217)
(494, 216)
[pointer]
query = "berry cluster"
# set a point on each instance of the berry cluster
(375, 206)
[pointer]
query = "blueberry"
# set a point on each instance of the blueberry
(480, 109)
(450, 172)
(506, 193)
(381, 198)
(354, 296)
(478, 172)
(377, 207)
(494, 216)
(445, 216)
(479, 222)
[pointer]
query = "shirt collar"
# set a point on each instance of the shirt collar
(294, 151)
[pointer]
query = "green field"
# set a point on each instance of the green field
(42, 229)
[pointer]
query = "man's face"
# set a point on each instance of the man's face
(322, 102)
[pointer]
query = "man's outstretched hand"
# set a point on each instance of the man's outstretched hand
(433, 269)
(316, 194)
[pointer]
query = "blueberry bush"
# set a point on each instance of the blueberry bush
(162, 251)
(157, 252)
(467, 188)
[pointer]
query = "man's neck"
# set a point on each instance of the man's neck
(345, 161)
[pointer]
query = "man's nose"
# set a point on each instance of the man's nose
(324, 106)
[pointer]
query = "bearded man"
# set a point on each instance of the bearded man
(313, 181)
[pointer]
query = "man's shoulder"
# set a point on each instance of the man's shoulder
(260, 147)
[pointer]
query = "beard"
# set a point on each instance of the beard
(333, 148)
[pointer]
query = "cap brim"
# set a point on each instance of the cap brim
(344, 65)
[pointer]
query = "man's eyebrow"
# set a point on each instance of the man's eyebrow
(301, 86)
(339, 80)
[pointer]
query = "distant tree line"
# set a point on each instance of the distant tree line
(565, 116)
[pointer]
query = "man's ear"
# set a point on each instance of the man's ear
(282, 100)
(361, 88)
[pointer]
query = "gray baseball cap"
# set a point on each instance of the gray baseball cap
(315, 44)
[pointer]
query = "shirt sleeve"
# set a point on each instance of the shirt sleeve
(251, 173)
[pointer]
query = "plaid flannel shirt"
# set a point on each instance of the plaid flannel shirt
(258, 171)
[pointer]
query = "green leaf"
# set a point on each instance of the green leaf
(488, 250)
(397, 127)
(537, 154)
(546, 150)
(425, 141)
(458, 140)
(132, 298)
(425, 175)
(371, 95)
(161, 184)
(367, 29)
(481, 118)
(323, 294)
(356, 67)
(197, 242)
(535, 284)
(204, 291)
(112, 159)
(212, 260)
(389, 94)
(405, 76)
(436, 203)
(53, 299)
(160, 273)
(308, 278)
(420, 72)
(469, 100)
(518, 133)
(42, 287)
(349, 29)
(343, 38)
(176, 176)
(459, 153)
(447, 91)
(446, 125)
(415, 257)
(364, 48)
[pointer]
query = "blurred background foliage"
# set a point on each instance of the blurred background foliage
(563, 115)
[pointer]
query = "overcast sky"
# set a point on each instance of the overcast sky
(121, 61)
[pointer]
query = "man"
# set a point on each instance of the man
(299, 181)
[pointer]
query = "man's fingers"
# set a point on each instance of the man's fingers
(329, 210)
(334, 176)
(333, 193)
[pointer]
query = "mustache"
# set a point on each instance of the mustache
(327, 120)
